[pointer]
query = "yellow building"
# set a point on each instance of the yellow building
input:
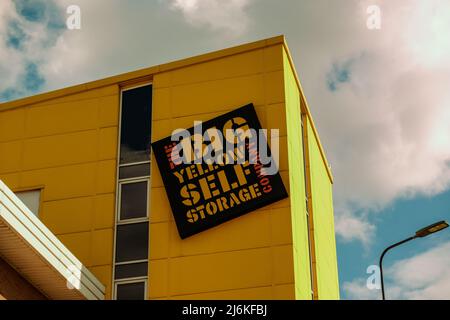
(80, 159)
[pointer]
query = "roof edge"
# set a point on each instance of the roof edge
(144, 74)
(47, 247)
(305, 109)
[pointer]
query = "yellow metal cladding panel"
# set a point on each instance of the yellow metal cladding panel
(104, 274)
(162, 129)
(325, 243)
(80, 244)
(215, 96)
(12, 124)
(279, 292)
(156, 175)
(159, 206)
(102, 247)
(297, 186)
(68, 216)
(274, 87)
(106, 176)
(220, 271)
(159, 279)
(104, 211)
(283, 163)
(11, 180)
(280, 223)
(235, 66)
(236, 63)
(235, 80)
(284, 292)
(187, 121)
(62, 118)
(81, 95)
(159, 240)
(63, 182)
(72, 181)
(273, 58)
(161, 80)
(92, 248)
(276, 118)
(109, 111)
(60, 150)
(107, 143)
(261, 293)
(161, 97)
(261, 113)
(10, 156)
(230, 236)
(282, 257)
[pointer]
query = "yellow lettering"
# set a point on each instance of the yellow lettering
(190, 195)
(179, 175)
(192, 216)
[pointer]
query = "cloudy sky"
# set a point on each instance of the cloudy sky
(380, 98)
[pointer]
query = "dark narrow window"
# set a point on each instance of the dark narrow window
(130, 291)
(136, 125)
(130, 271)
(132, 242)
(129, 172)
(133, 270)
(133, 200)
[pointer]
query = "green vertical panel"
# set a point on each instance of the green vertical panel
(322, 205)
(297, 185)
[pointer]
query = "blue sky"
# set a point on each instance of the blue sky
(396, 222)
(380, 100)
(28, 29)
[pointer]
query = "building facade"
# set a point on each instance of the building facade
(80, 158)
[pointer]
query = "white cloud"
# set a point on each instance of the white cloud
(28, 33)
(425, 276)
(357, 290)
(352, 228)
(228, 16)
(10, 64)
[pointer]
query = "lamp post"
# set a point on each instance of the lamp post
(435, 227)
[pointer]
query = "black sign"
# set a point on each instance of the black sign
(212, 176)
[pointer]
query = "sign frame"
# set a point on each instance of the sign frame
(179, 181)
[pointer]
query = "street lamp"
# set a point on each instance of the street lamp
(435, 227)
